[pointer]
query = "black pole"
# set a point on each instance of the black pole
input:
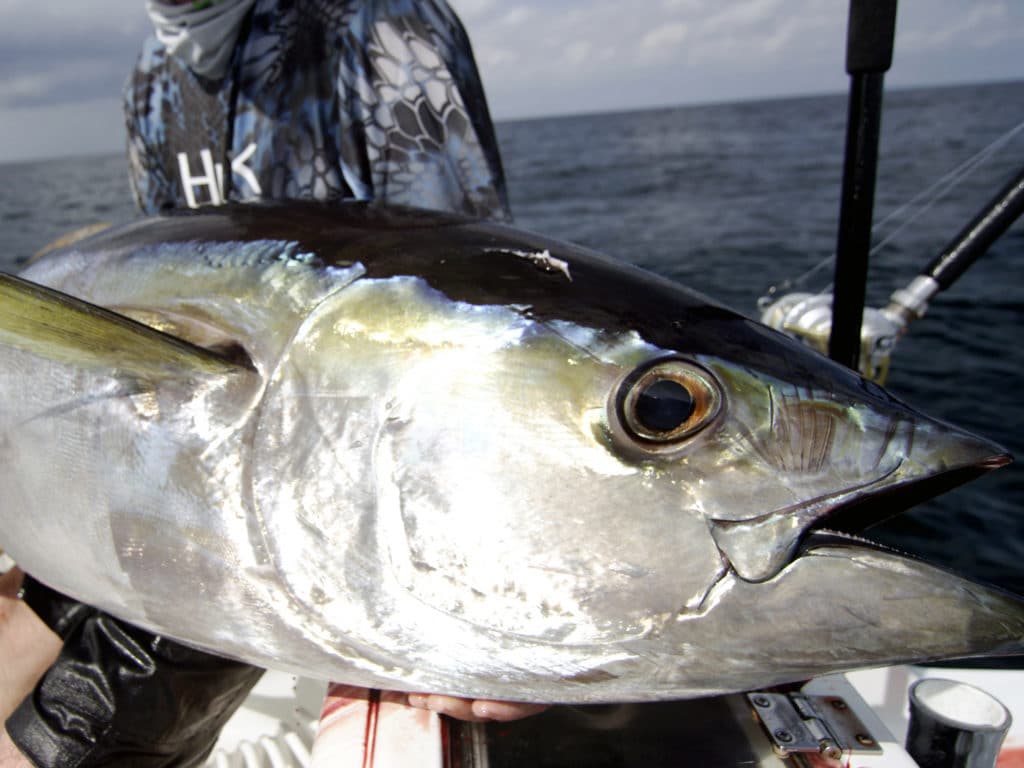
(872, 27)
(974, 239)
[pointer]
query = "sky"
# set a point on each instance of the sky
(63, 62)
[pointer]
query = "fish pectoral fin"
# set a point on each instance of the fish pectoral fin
(757, 548)
(55, 326)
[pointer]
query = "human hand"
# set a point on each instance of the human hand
(470, 710)
(474, 710)
(118, 695)
(27, 646)
(396, 727)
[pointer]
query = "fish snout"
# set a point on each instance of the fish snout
(824, 464)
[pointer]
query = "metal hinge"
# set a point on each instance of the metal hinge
(798, 724)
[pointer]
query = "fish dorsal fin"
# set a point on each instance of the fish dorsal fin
(56, 326)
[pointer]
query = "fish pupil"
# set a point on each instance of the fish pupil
(664, 406)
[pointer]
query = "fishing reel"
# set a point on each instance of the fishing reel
(807, 317)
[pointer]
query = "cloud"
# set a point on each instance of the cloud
(516, 17)
(585, 55)
(66, 52)
(749, 15)
(77, 79)
(662, 37)
(653, 52)
(576, 53)
(982, 25)
(83, 127)
(474, 10)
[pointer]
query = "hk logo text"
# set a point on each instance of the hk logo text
(211, 177)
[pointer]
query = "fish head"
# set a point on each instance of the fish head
(582, 457)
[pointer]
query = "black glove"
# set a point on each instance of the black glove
(120, 696)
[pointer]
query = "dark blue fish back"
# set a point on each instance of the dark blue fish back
(365, 99)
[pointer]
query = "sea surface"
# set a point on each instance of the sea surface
(731, 200)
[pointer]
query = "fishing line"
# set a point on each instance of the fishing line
(950, 181)
(930, 195)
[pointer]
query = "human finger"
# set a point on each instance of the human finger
(474, 710)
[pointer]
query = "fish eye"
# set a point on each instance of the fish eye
(663, 406)
(663, 402)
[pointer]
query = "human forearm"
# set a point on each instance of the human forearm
(27, 648)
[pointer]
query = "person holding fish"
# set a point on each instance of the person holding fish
(240, 101)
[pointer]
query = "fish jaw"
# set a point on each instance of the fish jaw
(843, 603)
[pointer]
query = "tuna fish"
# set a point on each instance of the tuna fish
(405, 450)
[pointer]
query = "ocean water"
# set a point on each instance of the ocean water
(732, 199)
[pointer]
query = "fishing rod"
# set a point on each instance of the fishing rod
(974, 239)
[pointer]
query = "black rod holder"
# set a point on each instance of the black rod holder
(869, 44)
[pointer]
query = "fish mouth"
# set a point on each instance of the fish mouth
(877, 604)
(903, 609)
(863, 511)
(847, 603)
(758, 548)
(841, 602)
